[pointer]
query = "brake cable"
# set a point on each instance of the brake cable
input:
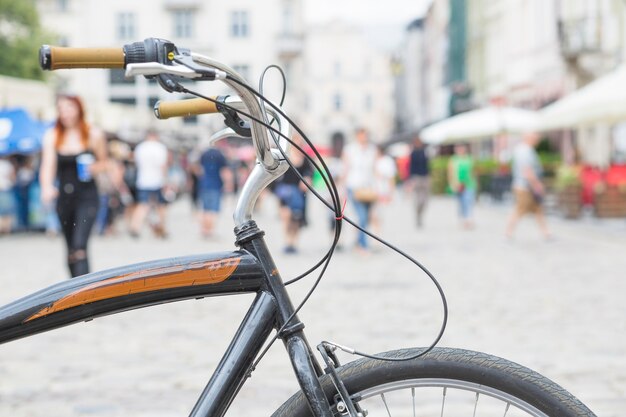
(339, 217)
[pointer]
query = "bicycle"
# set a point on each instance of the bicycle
(416, 380)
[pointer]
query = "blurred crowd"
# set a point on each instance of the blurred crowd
(83, 183)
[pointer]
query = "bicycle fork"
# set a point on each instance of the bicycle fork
(306, 368)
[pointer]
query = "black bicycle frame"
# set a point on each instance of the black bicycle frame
(250, 269)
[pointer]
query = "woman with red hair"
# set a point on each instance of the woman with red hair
(73, 153)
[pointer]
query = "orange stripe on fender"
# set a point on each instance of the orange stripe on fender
(178, 276)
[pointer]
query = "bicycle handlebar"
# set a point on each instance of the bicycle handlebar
(194, 106)
(160, 57)
(150, 50)
(57, 57)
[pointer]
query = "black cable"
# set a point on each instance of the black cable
(339, 217)
(282, 74)
(444, 321)
(389, 245)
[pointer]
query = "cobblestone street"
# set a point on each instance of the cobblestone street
(557, 307)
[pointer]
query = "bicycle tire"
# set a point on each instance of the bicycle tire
(467, 371)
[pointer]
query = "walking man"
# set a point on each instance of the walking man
(419, 174)
(527, 187)
(213, 176)
(151, 160)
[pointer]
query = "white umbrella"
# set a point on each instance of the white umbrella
(478, 124)
(601, 101)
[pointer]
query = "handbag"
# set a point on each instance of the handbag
(365, 195)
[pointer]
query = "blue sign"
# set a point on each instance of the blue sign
(19, 133)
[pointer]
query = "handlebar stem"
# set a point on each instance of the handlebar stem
(259, 132)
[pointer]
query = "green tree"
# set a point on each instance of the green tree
(21, 36)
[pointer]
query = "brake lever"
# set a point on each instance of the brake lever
(154, 68)
(205, 73)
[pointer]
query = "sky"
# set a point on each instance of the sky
(384, 20)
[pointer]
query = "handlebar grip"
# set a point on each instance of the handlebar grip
(56, 57)
(184, 108)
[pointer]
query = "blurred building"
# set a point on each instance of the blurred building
(35, 96)
(409, 79)
(592, 35)
(246, 35)
(436, 55)
(514, 52)
(347, 84)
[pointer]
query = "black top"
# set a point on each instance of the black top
(419, 163)
(67, 174)
(290, 177)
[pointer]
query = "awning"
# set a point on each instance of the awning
(601, 101)
(479, 124)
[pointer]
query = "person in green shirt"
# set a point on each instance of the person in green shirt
(463, 183)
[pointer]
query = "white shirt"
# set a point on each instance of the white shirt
(361, 161)
(524, 157)
(385, 172)
(6, 175)
(151, 160)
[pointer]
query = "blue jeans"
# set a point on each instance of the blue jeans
(154, 196)
(466, 202)
(363, 217)
(103, 214)
(211, 200)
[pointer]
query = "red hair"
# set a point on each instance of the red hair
(83, 127)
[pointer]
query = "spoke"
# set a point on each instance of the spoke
(476, 404)
(413, 395)
(385, 402)
(443, 399)
(506, 410)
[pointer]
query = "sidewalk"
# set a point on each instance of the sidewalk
(557, 307)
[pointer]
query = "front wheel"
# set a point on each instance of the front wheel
(446, 382)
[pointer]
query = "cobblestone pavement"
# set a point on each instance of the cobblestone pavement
(557, 307)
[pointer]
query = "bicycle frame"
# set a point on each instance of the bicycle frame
(248, 270)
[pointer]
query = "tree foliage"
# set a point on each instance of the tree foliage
(21, 35)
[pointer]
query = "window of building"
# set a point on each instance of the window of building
(288, 70)
(190, 120)
(152, 101)
(123, 100)
(337, 68)
(287, 20)
(243, 70)
(62, 5)
(126, 26)
(306, 102)
(239, 25)
(337, 101)
(63, 41)
(368, 102)
(183, 23)
(117, 76)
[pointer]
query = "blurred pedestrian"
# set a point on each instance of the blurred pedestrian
(359, 158)
(7, 204)
(291, 193)
(24, 178)
(462, 182)
(114, 194)
(214, 176)
(73, 153)
(336, 169)
(527, 186)
(151, 159)
(130, 182)
(385, 183)
(419, 178)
